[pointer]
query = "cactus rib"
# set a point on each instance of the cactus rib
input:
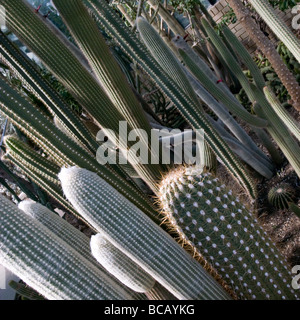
(128, 229)
(48, 264)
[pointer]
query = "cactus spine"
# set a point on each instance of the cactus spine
(48, 264)
(149, 246)
(213, 222)
(278, 26)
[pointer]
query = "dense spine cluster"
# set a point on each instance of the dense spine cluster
(219, 228)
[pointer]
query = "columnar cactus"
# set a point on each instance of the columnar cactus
(212, 221)
(65, 231)
(31, 78)
(47, 263)
(107, 18)
(278, 26)
(267, 47)
(119, 265)
(133, 233)
(62, 149)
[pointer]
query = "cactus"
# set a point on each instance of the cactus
(278, 130)
(286, 118)
(244, 54)
(60, 147)
(281, 195)
(91, 42)
(267, 47)
(119, 265)
(65, 231)
(213, 222)
(278, 26)
(132, 232)
(114, 26)
(48, 264)
(24, 291)
(32, 79)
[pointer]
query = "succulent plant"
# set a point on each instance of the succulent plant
(48, 264)
(133, 233)
(281, 195)
(213, 222)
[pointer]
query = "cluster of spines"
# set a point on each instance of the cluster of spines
(216, 225)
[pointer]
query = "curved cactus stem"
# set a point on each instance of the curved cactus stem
(47, 263)
(149, 246)
(278, 26)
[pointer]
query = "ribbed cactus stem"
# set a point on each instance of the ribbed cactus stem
(278, 130)
(62, 149)
(278, 26)
(213, 222)
(65, 231)
(132, 232)
(93, 45)
(119, 265)
(32, 79)
(24, 291)
(128, 41)
(268, 49)
(244, 54)
(48, 264)
(283, 114)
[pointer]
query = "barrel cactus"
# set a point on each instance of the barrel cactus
(222, 232)
(281, 195)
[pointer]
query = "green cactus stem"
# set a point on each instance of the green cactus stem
(268, 48)
(213, 222)
(48, 264)
(283, 114)
(281, 195)
(59, 146)
(278, 26)
(149, 246)
(30, 76)
(114, 26)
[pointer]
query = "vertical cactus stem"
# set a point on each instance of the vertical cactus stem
(211, 220)
(48, 264)
(132, 232)
(119, 265)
